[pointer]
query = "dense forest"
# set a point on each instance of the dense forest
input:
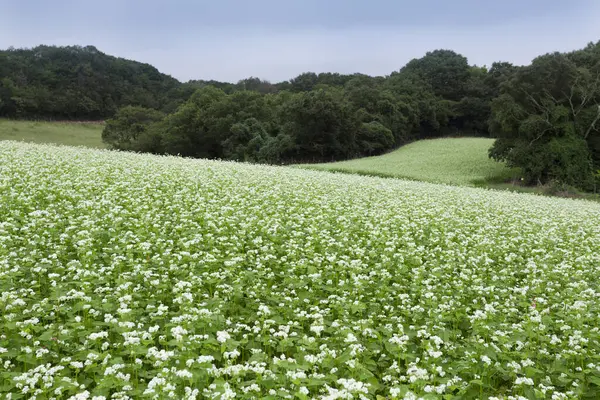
(318, 117)
(545, 116)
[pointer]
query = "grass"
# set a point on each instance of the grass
(63, 133)
(455, 161)
(133, 276)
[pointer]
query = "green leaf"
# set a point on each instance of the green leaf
(593, 379)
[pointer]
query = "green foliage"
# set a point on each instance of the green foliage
(131, 275)
(322, 124)
(545, 116)
(129, 129)
(276, 149)
(256, 84)
(190, 130)
(325, 116)
(373, 137)
(426, 114)
(246, 140)
(546, 119)
(374, 102)
(471, 115)
(201, 126)
(304, 82)
(77, 83)
(446, 71)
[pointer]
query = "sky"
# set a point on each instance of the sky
(229, 40)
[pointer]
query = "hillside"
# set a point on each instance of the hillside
(544, 116)
(78, 83)
(62, 133)
(150, 275)
(457, 161)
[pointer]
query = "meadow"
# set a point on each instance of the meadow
(457, 161)
(136, 276)
(65, 133)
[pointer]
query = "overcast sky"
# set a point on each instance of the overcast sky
(277, 39)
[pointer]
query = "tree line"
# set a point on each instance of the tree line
(545, 116)
(318, 117)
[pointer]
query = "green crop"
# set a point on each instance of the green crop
(136, 276)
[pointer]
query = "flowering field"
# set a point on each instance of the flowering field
(135, 276)
(454, 161)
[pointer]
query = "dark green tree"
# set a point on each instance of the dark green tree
(304, 82)
(245, 140)
(374, 138)
(77, 82)
(190, 131)
(546, 121)
(130, 127)
(322, 124)
(445, 70)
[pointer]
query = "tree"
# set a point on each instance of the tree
(246, 140)
(77, 82)
(129, 127)
(497, 75)
(190, 131)
(7, 103)
(202, 126)
(277, 149)
(374, 138)
(470, 115)
(256, 84)
(546, 121)
(427, 115)
(322, 124)
(445, 70)
(304, 82)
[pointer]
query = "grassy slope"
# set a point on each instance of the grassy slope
(462, 161)
(65, 133)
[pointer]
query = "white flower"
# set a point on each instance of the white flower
(178, 332)
(98, 335)
(317, 329)
(205, 359)
(80, 396)
(223, 336)
(184, 373)
(350, 338)
(264, 310)
(524, 381)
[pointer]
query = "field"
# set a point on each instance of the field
(456, 161)
(138, 276)
(66, 133)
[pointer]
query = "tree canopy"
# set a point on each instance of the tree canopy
(547, 118)
(78, 83)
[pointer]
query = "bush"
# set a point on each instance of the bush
(130, 125)
(374, 138)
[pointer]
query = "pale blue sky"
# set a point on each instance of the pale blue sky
(278, 39)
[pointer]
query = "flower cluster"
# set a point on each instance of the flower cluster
(129, 276)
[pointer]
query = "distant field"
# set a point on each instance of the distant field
(65, 133)
(457, 161)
